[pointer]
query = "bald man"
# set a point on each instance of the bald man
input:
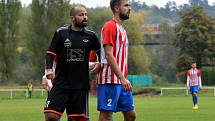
(71, 46)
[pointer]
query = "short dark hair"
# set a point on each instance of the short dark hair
(72, 10)
(114, 3)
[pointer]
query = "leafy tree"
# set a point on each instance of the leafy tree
(47, 16)
(138, 58)
(97, 18)
(9, 16)
(162, 55)
(195, 37)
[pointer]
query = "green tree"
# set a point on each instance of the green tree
(47, 16)
(9, 16)
(138, 59)
(97, 18)
(195, 37)
(163, 55)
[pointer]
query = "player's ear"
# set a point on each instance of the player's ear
(72, 18)
(116, 9)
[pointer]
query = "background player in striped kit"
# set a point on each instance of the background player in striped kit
(194, 82)
(114, 90)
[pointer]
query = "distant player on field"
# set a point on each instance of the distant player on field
(194, 82)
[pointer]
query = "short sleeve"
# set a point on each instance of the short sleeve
(188, 73)
(109, 33)
(96, 44)
(199, 73)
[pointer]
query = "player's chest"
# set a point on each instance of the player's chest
(76, 41)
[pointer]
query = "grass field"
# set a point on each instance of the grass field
(147, 108)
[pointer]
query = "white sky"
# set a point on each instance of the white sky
(96, 3)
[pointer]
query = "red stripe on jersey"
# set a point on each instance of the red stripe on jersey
(194, 75)
(115, 35)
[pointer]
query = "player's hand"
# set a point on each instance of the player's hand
(49, 74)
(49, 84)
(126, 84)
(95, 69)
(44, 83)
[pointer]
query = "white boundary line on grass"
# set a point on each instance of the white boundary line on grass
(183, 88)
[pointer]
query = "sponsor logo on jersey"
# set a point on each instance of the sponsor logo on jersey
(67, 43)
(85, 40)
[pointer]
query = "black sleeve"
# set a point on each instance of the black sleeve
(98, 53)
(96, 46)
(49, 61)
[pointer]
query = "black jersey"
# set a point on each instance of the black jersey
(72, 49)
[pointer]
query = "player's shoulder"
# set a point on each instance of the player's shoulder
(111, 23)
(63, 28)
(88, 31)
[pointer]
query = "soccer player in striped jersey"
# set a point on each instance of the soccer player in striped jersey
(114, 90)
(194, 82)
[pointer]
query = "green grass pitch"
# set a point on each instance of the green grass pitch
(147, 109)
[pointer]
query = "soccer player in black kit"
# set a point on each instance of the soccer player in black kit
(71, 46)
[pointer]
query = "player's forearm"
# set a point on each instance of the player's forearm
(188, 81)
(98, 55)
(200, 81)
(112, 61)
(49, 61)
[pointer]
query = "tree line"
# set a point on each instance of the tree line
(25, 34)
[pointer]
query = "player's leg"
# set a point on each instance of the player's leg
(195, 96)
(129, 115)
(55, 104)
(105, 115)
(77, 106)
(108, 95)
(126, 105)
(51, 117)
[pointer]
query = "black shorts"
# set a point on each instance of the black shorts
(74, 101)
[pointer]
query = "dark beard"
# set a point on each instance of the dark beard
(123, 16)
(81, 25)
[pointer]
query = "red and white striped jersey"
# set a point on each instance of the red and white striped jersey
(194, 76)
(114, 34)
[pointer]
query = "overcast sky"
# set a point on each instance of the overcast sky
(96, 3)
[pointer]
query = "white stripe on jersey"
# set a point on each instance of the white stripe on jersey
(120, 54)
(193, 74)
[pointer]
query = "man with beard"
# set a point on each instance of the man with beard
(71, 46)
(114, 90)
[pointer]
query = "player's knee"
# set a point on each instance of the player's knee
(51, 117)
(105, 115)
(130, 116)
(195, 94)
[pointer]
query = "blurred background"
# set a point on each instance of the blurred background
(165, 37)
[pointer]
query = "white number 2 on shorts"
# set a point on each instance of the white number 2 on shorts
(109, 102)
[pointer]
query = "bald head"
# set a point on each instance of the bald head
(75, 9)
(78, 15)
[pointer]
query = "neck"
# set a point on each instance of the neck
(118, 20)
(76, 28)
